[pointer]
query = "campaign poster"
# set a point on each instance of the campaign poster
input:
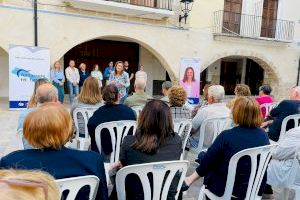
(26, 65)
(190, 78)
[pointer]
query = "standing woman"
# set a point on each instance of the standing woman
(83, 74)
(73, 78)
(58, 80)
(96, 73)
(141, 74)
(120, 79)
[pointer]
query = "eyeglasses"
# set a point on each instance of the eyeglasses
(27, 183)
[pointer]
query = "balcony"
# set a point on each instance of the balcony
(152, 9)
(251, 26)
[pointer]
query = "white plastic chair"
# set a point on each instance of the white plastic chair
(137, 110)
(218, 125)
(161, 184)
(293, 178)
(74, 184)
(296, 119)
(183, 127)
(84, 142)
(258, 168)
(122, 128)
(268, 107)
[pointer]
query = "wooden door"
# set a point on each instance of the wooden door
(269, 18)
(232, 16)
(229, 77)
(254, 76)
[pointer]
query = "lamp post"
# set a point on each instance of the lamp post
(186, 6)
(35, 19)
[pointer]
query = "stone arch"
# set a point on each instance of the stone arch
(149, 47)
(271, 73)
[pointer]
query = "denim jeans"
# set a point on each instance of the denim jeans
(61, 92)
(73, 91)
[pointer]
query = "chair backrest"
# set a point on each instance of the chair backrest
(163, 174)
(74, 184)
(86, 114)
(295, 118)
(117, 130)
(137, 110)
(183, 127)
(260, 157)
(217, 124)
(268, 107)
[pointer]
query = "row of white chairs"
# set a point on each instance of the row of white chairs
(169, 169)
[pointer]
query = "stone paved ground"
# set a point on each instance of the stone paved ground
(10, 141)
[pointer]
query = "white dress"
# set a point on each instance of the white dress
(98, 75)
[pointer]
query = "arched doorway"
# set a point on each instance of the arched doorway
(231, 70)
(102, 51)
(3, 73)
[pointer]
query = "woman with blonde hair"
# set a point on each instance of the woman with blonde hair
(27, 185)
(58, 80)
(88, 98)
(48, 128)
(240, 90)
(215, 161)
(177, 98)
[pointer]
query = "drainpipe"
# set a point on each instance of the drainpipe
(35, 18)
(298, 73)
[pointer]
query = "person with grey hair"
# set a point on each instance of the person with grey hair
(165, 88)
(284, 109)
(215, 108)
(139, 98)
(44, 93)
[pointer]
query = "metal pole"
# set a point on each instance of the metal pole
(298, 73)
(35, 23)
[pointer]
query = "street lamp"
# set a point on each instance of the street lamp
(186, 6)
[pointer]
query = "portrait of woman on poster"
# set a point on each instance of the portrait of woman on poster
(190, 84)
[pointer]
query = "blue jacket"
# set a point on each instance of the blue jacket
(214, 163)
(83, 76)
(62, 163)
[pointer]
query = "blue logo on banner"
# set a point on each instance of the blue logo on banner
(18, 104)
(26, 74)
(193, 101)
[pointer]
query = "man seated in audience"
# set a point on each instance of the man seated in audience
(215, 108)
(139, 98)
(44, 93)
(284, 109)
(165, 88)
(279, 169)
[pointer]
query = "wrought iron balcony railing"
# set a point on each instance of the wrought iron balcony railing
(159, 4)
(251, 26)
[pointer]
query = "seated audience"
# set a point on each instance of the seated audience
(139, 98)
(154, 141)
(214, 163)
(44, 93)
(215, 108)
(88, 98)
(33, 101)
(48, 128)
(177, 98)
(202, 102)
(284, 109)
(27, 185)
(111, 111)
(165, 88)
(264, 97)
(240, 90)
(279, 168)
